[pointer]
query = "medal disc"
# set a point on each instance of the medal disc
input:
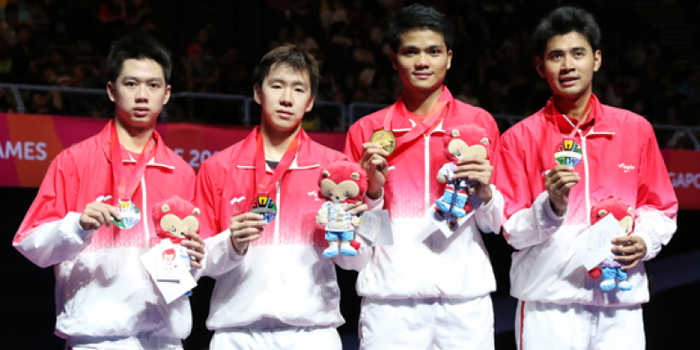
(264, 206)
(130, 215)
(384, 138)
(568, 152)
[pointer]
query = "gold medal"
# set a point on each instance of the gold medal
(385, 139)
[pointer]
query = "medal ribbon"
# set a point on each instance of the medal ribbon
(266, 183)
(579, 121)
(126, 181)
(435, 116)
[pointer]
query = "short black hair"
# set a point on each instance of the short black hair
(295, 57)
(417, 17)
(564, 20)
(138, 46)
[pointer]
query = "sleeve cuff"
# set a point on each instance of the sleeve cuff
(375, 203)
(651, 250)
(549, 213)
(72, 223)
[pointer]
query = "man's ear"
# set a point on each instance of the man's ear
(310, 106)
(598, 60)
(110, 91)
(392, 57)
(257, 91)
(539, 66)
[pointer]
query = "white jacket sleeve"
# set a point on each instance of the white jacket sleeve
(489, 217)
(534, 225)
(219, 256)
(656, 229)
(56, 241)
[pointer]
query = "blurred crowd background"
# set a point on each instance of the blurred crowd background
(651, 53)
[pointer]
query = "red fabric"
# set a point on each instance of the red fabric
(621, 150)
(225, 187)
(407, 177)
(82, 173)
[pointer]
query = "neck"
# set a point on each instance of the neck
(573, 108)
(276, 141)
(420, 102)
(134, 139)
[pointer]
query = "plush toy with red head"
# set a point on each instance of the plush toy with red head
(173, 217)
(461, 143)
(611, 268)
(340, 183)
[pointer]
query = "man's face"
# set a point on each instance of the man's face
(568, 65)
(139, 92)
(422, 60)
(285, 96)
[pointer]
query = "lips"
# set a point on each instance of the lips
(568, 81)
(422, 76)
(285, 114)
(141, 111)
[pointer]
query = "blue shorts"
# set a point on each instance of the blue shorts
(344, 235)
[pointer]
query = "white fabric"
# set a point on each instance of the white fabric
(292, 338)
(435, 323)
(143, 342)
(578, 327)
(422, 263)
(267, 282)
(133, 303)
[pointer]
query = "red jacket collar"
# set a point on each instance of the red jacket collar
(304, 158)
(159, 158)
(400, 120)
(595, 118)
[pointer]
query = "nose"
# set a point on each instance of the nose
(567, 63)
(422, 60)
(142, 93)
(286, 97)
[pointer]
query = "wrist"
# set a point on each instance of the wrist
(557, 210)
(374, 194)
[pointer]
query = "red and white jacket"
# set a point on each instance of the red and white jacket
(621, 158)
(284, 275)
(102, 289)
(422, 263)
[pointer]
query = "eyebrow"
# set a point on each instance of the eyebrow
(281, 81)
(131, 77)
(429, 47)
(578, 48)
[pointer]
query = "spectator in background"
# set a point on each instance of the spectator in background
(466, 95)
(5, 61)
(62, 73)
(6, 102)
(23, 16)
(304, 42)
(202, 71)
(27, 57)
(9, 23)
(202, 38)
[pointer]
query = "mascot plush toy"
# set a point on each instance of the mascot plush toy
(341, 183)
(611, 268)
(173, 216)
(463, 142)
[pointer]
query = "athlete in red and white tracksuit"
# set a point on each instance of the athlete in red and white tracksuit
(621, 158)
(104, 296)
(282, 292)
(426, 290)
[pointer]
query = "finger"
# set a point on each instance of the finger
(246, 216)
(195, 264)
(193, 245)
(114, 212)
(359, 209)
(91, 224)
(630, 265)
(197, 255)
(104, 216)
(250, 238)
(194, 237)
(246, 232)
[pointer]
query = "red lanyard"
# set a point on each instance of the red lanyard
(436, 114)
(126, 180)
(579, 121)
(265, 183)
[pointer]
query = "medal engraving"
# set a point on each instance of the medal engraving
(568, 152)
(130, 215)
(264, 206)
(385, 139)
